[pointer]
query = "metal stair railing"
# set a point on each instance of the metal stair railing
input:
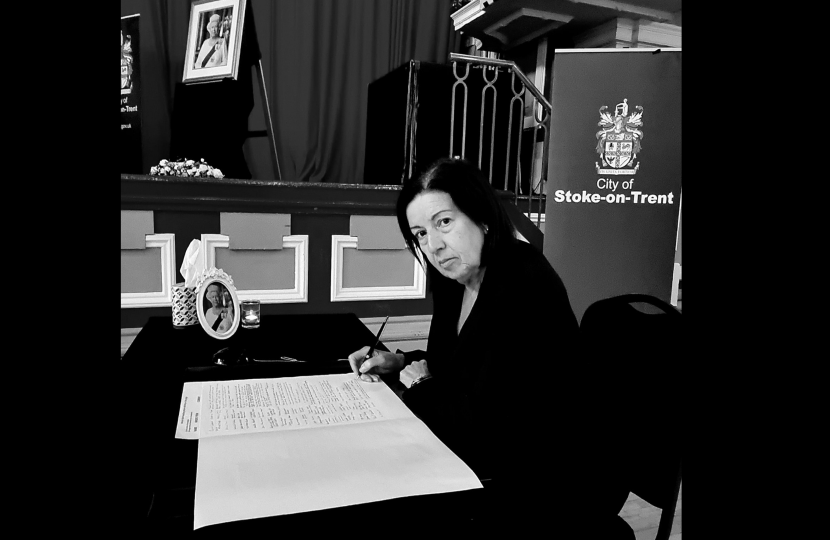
(541, 118)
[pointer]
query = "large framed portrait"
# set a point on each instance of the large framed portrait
(214, 39)
(217, 304)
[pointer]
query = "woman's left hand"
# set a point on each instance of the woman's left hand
(413, 372)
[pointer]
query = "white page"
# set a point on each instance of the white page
(275, 473)
(271, 468)
(261, 405)
(190, 409)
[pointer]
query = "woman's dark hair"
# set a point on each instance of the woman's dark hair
(470, 192)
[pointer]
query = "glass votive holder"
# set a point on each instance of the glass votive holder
(250, 314)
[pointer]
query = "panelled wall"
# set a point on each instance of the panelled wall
(297, 247)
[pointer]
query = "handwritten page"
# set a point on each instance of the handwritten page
(210, 409)
(309, 443)
(257, 405)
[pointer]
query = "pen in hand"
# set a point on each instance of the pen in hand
(372, 348)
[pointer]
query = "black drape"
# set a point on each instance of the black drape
(318, 58)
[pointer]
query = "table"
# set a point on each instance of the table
(160, 470)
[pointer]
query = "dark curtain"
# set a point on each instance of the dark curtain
(318, 57)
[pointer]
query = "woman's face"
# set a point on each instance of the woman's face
(212, 295)
(212, 29)
(451, 241)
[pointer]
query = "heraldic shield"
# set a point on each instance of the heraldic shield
(619, 149)
(619, 139)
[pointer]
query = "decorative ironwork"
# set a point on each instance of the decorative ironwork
(463, 116)
(490, 69)
(487, 84)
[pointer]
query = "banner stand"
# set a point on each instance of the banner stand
(614, 173)
(129, 144)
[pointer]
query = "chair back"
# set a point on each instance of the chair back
(632, 358)
(606, 322)
(634, 346)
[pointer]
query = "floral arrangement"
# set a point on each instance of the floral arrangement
(186, 168)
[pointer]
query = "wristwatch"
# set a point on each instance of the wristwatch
(420, 379)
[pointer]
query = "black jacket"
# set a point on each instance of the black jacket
(492, 383)
(512, 396)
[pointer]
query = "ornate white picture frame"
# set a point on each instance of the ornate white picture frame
(217, 304)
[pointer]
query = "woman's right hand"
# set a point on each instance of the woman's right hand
(381, 363)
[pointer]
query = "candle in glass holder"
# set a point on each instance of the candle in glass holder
(250, 314)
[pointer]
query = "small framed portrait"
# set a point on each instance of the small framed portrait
(217, 305)
(214, 39)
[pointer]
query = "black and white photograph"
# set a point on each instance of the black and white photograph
(213, 52)
(409, 268)
(218, 308)
(214, 40)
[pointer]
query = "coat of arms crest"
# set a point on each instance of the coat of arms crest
(618, 143)
(126, 64)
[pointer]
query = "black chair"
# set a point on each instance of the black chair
(633, 357)
(659, 485)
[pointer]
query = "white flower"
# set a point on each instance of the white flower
(186, 167)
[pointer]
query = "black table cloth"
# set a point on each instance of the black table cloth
(158, 477)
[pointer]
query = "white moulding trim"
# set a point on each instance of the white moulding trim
(349, 294)
(164, 297)
(297, 294)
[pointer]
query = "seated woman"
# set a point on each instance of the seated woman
(502, 333)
